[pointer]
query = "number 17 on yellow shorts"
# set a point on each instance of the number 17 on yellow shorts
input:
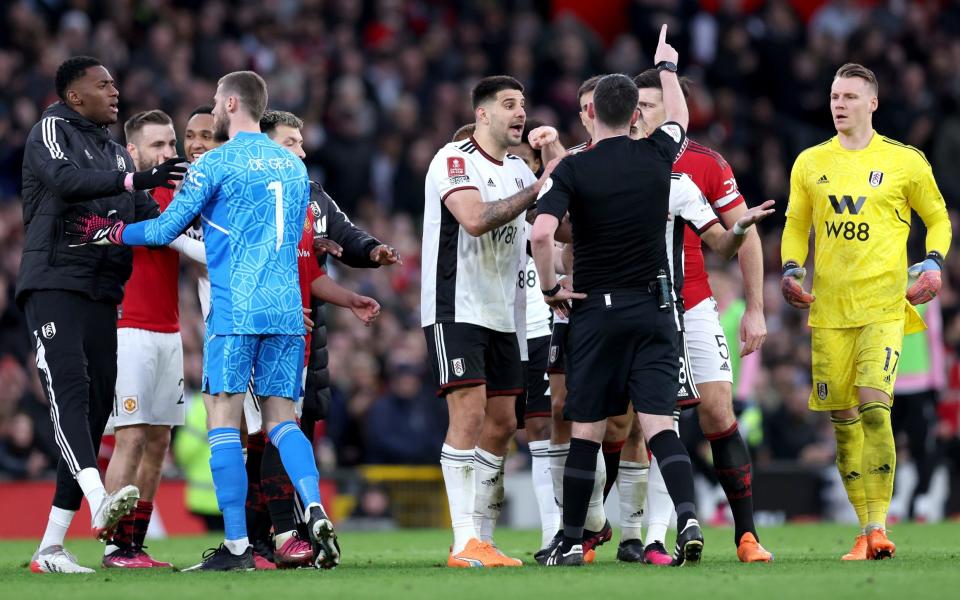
(850, 358)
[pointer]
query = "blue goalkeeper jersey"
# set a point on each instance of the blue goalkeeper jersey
(251, 195)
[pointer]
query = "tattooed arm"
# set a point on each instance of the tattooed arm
(478, 217)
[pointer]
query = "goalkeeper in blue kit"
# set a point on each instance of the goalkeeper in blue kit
(251, 196)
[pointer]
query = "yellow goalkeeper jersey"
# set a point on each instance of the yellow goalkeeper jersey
(859, 203)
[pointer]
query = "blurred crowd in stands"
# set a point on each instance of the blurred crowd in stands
(382, 84)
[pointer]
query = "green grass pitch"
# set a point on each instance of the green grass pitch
(408, 564)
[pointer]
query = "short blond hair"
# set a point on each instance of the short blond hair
(856, 70)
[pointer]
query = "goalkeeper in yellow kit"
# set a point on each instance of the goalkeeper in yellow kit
(857, 190)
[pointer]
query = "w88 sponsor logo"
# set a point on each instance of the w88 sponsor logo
(505, 234)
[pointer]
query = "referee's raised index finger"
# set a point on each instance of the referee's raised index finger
(663, 34)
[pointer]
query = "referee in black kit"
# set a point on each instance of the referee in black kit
(623, 334)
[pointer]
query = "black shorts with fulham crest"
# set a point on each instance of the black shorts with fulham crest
(557, 358)
(535, 402)
(464, 354)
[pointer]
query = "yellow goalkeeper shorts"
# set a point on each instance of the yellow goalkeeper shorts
(851, 358)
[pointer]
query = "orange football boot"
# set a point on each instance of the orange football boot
(479, 554)
(749, 550)
(859, 551)
(879, 547)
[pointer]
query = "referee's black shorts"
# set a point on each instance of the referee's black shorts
(621, 348)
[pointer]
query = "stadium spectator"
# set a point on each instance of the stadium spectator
(407, 424)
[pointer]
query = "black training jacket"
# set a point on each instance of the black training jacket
(70, 161)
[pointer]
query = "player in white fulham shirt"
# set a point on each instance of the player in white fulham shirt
(475, 198)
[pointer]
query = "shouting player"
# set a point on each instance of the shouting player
(533, 406)
(251, 195)
(473, 231)
(857, 190)
(708, 349)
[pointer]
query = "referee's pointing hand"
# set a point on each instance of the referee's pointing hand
(665, 52)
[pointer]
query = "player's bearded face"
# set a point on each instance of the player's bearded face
(157, 144)
(507, 117)
(221, 122)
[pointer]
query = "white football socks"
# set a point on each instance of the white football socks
(543, 490)
(488, 470)
(558, 461)
(92, 486)
(659, 506)
(237, 547)
(596, 515)
(632, 488)
(57, 525)
(458, 477)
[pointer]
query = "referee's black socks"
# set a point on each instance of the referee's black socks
(579, 473)
(677, 474)
(731, 462)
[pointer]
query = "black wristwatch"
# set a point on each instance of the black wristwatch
(552, 291)
(664, 65)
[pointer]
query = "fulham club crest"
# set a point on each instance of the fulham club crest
(821, 391)
(554, 350)
(876, 178)
(458, 369)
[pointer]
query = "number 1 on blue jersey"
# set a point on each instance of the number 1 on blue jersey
(277, 188)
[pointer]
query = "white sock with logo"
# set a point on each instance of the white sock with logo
(57, 525)
(659, 506)
(488, 470)
(92, 486)
(632, 487)
(596, 515)
(458, 477)
(543, 489)
(558, 461)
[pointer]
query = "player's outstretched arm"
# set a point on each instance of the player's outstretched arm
(726, 242)
(85, 227)
(479, 217)
(364, 308)
(753, 327)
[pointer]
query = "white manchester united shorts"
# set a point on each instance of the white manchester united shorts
(149, 388)
(706, 343)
